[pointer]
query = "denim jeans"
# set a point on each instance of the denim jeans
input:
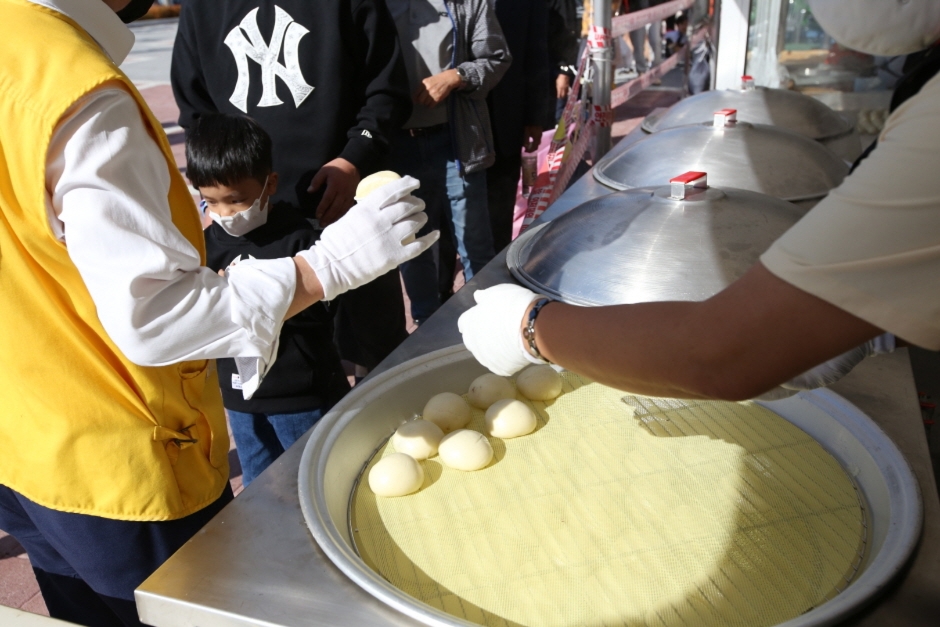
(430, 158)
(261, 438)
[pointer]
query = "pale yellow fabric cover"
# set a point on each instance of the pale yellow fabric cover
(722, 514)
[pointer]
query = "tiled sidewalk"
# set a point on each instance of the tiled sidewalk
(18, 587)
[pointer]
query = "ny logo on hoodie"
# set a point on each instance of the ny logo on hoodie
(287, 32)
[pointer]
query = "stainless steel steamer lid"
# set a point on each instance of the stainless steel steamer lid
(347, 436)
(786, 109)
(758, 158)
(642, 245)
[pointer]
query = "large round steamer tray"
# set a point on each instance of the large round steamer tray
(346, 439)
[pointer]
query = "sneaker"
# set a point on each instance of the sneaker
(622, 74)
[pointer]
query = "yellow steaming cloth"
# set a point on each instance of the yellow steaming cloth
(624, 511)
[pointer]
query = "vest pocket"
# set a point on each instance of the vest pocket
(200, 388)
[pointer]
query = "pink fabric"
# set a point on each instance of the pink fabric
(522, 200)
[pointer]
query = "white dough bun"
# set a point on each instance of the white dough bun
(448, 411)
(489, 388)
(418, 438)
(465, 450)
(373, 182)
(396, 475)
(509, 418)
(539, 383)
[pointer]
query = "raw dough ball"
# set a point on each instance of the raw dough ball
(489, 388)
(465, 450)
(418, 438)
(509, 418)
(396, 475)
(539, 383)
(448, 411)
(373, 182)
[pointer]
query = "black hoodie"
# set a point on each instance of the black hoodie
(334, 84)
(307, 373)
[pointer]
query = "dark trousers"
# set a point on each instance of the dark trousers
(370, 321)
(502, 182)
(87, 567)
(460, 201)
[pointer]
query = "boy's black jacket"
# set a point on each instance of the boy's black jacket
(307, 373)
(345, 50)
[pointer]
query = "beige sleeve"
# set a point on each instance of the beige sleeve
(872, 247)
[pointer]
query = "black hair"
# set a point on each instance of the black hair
(682, 19)
(223, 149)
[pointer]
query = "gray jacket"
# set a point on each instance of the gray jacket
(481, 53)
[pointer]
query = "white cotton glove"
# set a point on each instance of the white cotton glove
(374, 237)
(492, 329)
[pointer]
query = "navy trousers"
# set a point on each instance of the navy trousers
(87, 566)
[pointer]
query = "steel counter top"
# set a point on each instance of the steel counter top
(256, 564)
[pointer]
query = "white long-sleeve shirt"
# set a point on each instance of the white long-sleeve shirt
(107, 183)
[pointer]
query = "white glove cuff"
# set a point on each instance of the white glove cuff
(263, 289)
(532, 359)
(332, 286)
(884, 343)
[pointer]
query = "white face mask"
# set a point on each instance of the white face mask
(880, 27)
(244, 221)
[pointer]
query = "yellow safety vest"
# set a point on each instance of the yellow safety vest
(82, 429)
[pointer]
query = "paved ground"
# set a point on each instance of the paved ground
(148, 65)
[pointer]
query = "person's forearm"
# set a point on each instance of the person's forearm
(645, 349)
(756, 334)
(308, 290)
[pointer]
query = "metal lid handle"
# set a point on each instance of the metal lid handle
(685, 184)
(725, 117)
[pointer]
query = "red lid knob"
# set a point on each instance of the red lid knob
(684, 184)
(726, 117)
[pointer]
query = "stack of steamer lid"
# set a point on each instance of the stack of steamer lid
(789, 110)
(736, 154)
(685, 241)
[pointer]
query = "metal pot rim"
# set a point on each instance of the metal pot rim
(903, 492)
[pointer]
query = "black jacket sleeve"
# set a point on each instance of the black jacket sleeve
(189, 85)
(539, 101)
(387, 96)
(563, 34)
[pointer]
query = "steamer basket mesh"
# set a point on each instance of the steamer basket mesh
(625, 511)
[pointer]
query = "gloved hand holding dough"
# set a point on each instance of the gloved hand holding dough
(491, 329)
(374, 237)
(373, 182)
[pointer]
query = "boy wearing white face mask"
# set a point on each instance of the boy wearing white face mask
(229, 161)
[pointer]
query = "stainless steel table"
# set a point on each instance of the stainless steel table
(256, 564)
